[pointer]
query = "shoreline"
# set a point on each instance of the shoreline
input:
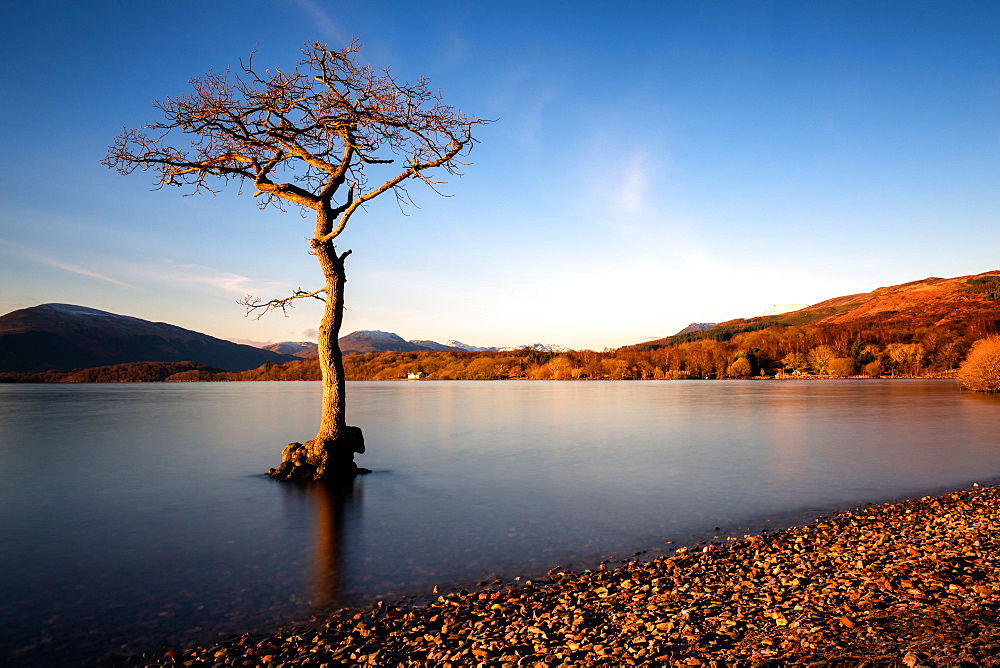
(52, 378)
(910, 582)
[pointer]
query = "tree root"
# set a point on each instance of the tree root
(322, 459)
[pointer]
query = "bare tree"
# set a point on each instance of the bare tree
(316, 137)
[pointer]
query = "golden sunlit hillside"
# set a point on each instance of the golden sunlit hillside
(968, 304)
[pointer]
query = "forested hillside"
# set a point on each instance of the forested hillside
(967, 304)
(920, 329)
(132, 372)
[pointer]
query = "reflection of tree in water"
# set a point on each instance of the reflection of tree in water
(335, 504)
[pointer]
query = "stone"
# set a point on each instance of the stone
(835, 588)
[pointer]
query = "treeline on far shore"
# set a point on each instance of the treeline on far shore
(781, 351)
(130, 372)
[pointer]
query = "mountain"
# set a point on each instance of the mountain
(458, 345)
(696, 327)
(64, 337)
(537, 347)
(434, 345)
(375, 341)
(301, 349)
(961, 302)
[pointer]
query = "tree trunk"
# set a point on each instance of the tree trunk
(331, 453)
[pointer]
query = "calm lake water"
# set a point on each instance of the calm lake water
(133, 515)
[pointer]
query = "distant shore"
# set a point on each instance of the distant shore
(909, 583)
(166, 372)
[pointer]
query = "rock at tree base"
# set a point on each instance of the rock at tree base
(316, 461)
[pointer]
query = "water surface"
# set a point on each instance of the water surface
(136, 514)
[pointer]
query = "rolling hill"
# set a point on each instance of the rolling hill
(957, 302)
(64, 337)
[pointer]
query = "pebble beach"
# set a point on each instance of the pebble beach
(915, 583)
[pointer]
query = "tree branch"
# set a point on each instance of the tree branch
(262, 308)
(299, 135)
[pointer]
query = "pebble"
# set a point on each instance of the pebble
(910, 584)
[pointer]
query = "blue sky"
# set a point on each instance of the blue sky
(651, 163)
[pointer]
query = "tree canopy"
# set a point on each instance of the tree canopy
(300, 136)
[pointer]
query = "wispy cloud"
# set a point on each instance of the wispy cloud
(86, 272)
(633, 183)
(621, 188)
(164, 271)
(455, 49)
(327, 26)
(522, 99)
(532, 123)
(41, 258)
(175, 273)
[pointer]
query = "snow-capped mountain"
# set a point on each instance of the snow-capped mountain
(303, 349)
(376, 341)
(434, 345)
(458, 345)
(539, 347)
